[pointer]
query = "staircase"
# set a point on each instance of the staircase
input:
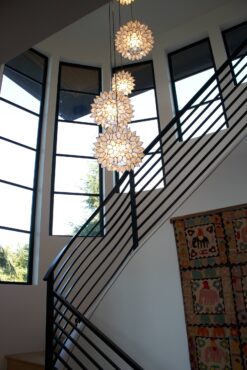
(140, 202)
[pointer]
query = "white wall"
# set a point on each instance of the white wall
(143, 310)
(22, 319)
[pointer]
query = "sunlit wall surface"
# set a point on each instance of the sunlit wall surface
(21, 106)
(76, 174)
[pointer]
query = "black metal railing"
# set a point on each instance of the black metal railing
(212, 123)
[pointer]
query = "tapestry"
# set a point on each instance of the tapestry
(212, 255)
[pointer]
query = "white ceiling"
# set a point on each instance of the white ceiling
(24, 23)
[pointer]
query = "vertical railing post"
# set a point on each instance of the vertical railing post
(49, 323)
(133, 210)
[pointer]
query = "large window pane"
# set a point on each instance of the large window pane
(144, 105)
(18, 125)
(76, 139)
(16, 207)
(77, 78)
(147, 130)
(77, 175)
(188, 87)
(18, 166)
(29, 63)
(190, 68)
(76, 170)
(234, 39)
(14, 256)
(22, 91)
(71, 212)
(75, 106)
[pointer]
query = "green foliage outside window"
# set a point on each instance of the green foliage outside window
(14, 264)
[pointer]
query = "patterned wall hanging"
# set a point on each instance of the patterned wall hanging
(212, 254)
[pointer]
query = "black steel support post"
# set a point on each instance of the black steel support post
(133, 210)
(49, 323)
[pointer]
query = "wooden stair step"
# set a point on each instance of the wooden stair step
(26, 361)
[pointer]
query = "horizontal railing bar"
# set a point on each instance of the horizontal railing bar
(87, 355)
(93, 239)
(56, 261)
(197, 177)
(187, 140)
(95, 258)
(194, 98)
(106, 269)
(105, 258)
(18, 143)
(184, 166)
(100, 334)
(77, 122)
(196, 166)
(70, 353)
(185, 120)
(63, 362)
(98, 243)
(91, 343)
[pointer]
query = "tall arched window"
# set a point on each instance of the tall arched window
(77, 185)
(21, 108)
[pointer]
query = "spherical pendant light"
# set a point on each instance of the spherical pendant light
(123, 82)
(111, 108)
(119, 149)
(134, 40)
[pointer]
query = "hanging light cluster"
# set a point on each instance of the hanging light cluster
(118, 148)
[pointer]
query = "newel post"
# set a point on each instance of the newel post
(49, 323)
(133, 210)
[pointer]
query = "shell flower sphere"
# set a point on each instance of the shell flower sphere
(134, 40)
(119, 149)
(123, 82)
(112, 108)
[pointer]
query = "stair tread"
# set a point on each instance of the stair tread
(35, 358)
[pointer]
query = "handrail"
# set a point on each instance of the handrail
(114, 190)
(100, 334)
(85, 266)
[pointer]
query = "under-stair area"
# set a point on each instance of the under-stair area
(140, 202)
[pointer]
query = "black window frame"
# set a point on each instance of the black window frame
(126, 68)
(224, 33)
(34, 189)
(173, 81)
(53, 172)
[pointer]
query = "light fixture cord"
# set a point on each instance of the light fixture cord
(114, 62)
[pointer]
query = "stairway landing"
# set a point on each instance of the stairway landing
(26, 361)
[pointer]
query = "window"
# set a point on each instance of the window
(77, 189)
(145, 120)
(233, 39)
(21, 107)
(190, 68)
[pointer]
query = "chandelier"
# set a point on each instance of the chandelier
(112, 108)
(119, 149)
(123, 82)
(134, 40)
